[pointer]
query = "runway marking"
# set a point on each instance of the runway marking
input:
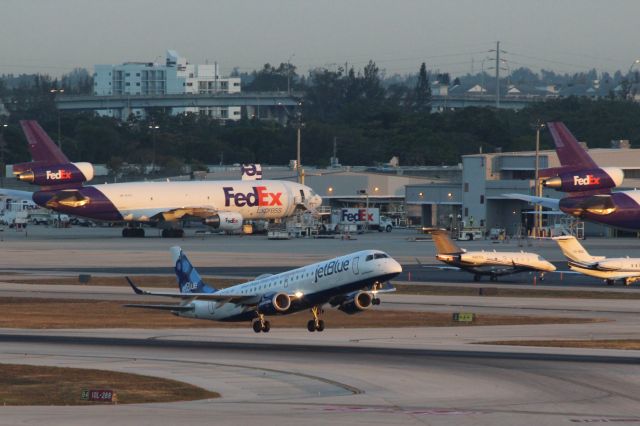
(392, 410)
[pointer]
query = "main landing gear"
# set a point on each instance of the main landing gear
(260, 324)
(316, 324)
(130, 232)
(172, 233)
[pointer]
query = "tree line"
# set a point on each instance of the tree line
(368, 120)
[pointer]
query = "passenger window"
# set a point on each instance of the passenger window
(368, 258)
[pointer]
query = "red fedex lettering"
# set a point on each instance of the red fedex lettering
(275, 199)
(587, 180)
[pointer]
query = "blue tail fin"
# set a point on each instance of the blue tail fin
(189, 281)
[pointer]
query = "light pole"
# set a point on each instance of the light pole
(153, 128)
(55, 92)
(537, 220)
(366, 195)
(2, 149)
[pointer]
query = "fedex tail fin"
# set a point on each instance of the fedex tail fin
(251, 171)
(444, 243)
(41, 146)
(570, 152)
(574, 251)
(189, 280)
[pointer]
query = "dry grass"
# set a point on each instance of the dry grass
(441, 290)
(629, 344)
(40, 385)
(72, 313)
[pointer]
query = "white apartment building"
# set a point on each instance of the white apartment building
(175, 76)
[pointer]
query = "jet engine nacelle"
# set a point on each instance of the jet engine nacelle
(225, 221)
(586, 180)
(357, 302)
(57, 174)
(600, 205)
(275, 304)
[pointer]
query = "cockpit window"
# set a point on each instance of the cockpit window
(380, 256)
(368, 258)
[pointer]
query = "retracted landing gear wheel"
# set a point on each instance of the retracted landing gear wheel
(257, 327)
(311, 326)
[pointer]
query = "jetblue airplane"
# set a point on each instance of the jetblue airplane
(222, 205)
(351, 283)
(588, 186)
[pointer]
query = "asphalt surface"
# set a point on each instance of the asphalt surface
(419, 375)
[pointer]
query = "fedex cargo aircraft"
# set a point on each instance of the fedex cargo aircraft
(222, 205)
(588, 186)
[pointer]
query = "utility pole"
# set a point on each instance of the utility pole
(497, 67)
(298, 145)
(498, 74)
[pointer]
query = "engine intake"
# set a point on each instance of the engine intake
(225, 221)
(275, 304)
(357, 302)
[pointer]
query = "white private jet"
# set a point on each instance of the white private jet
(351, 283)
(626, 269)
(491, 263)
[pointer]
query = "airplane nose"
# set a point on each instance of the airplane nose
(551, 267)
(396, 268)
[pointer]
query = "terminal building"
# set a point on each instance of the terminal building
(175, 76)
(476, 196)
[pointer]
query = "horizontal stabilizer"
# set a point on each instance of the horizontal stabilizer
(550, 203)
(176, 308)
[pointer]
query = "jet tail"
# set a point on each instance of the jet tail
(570, 152)
(574, 251)
(444, 243)
(189, 280)
(43, 149)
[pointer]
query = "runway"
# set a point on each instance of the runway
(289, 384)
(419, 375)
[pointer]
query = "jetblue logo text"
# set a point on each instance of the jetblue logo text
(331, 268)
(587, 180)
(59, 175)
(359, 216)
(259, 197)
(189, 286)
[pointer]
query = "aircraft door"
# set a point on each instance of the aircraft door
(354, 265)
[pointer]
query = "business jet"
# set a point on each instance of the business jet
(351, 283)
(490, 263)
(222, 205)
(588, 186)
(626, 269)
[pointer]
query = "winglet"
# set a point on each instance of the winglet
(135, 288)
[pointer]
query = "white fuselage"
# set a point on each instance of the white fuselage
(611, 268)
(504, 259)
(265, 199)
(312, 285)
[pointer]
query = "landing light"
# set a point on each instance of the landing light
(298, 294)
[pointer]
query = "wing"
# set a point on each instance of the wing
(242, 299)
(550, 203)
(442, 268)
(185, 213)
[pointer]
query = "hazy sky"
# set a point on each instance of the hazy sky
(54, 36)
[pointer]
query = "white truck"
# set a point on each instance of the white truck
(360, 218)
